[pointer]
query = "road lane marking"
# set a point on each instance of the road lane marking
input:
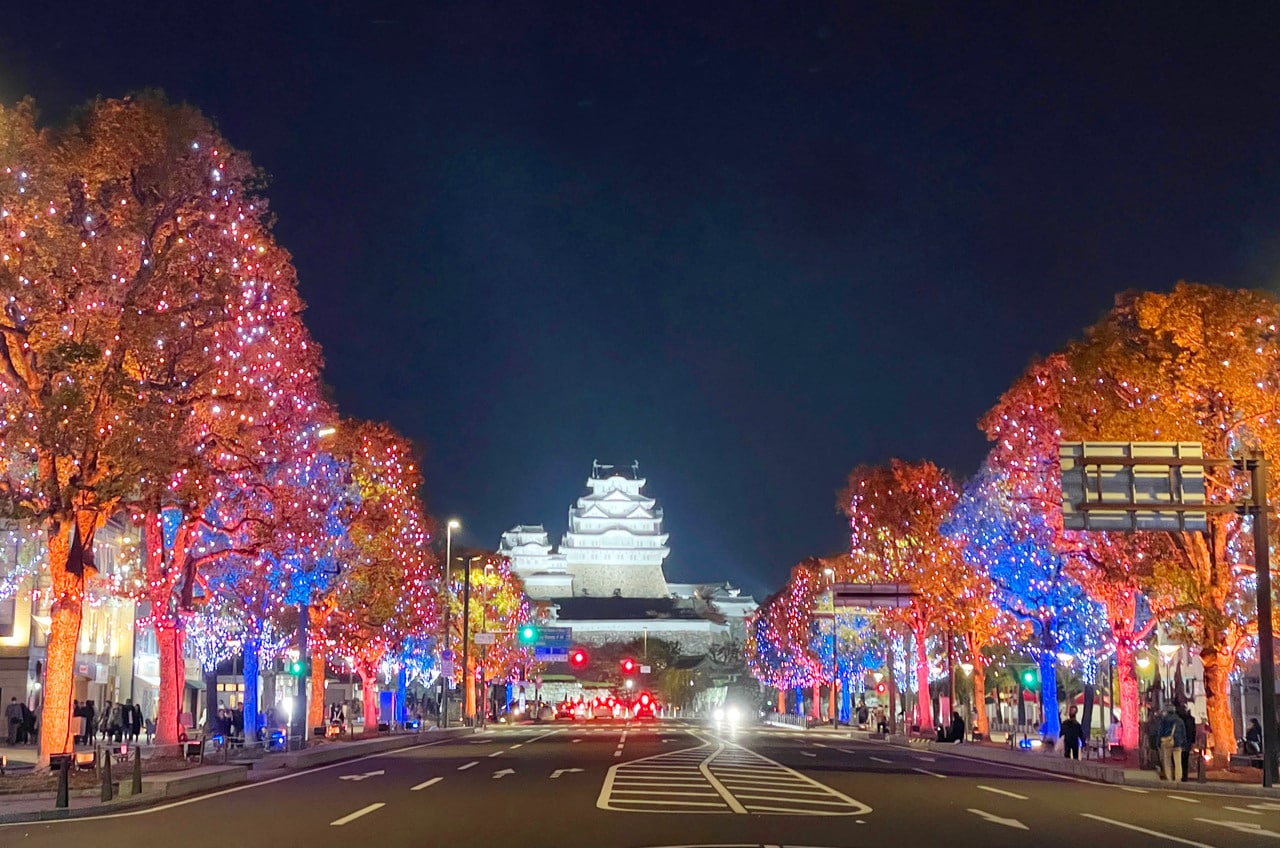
(930, 773)
(1243, 827)
(1182, 798)
(498, 775)
(498, 753)
(350, 817)
(1004, 792)
(882, 760)
(926, 759)
(846, 750)
(365, 776)
(1243, 810)
(147, 811)
(555, 775)
(432, 782)
(1135, 789)
(469, 765)
(517, 745)
(574, 741)
(994, 819)
(807, 754)
(1155, 833)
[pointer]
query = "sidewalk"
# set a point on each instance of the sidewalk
(164, 786)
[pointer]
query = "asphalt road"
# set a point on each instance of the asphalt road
(604, 784)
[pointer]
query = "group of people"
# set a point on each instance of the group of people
(228, 722)
(115, 723)
(20, 723)
(1175, 737)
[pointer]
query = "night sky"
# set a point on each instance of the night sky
(750, 245)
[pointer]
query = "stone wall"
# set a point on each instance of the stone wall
(692, 643)
(629, 579)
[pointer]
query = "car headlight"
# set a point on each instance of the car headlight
(732, 715)
(718, 714)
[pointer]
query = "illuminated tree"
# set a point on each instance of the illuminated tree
(122, 241)
(383, 597)
(1201, 364)
(1010, 541)
(498, 606)
(896, 513)
(1115, 569)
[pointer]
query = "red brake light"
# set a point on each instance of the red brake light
(644, 699)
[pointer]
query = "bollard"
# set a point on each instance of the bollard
(137, 770)
(1201, 777)
(106, 775)
(63, 777)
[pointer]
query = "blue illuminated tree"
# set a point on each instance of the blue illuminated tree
(1013, 543)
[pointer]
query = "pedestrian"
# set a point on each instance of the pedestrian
(1189, 723)
(1072, 735)
(1173, 738)
(79, 735)
(116, 726)
(91, 721)
(28, 725)
(956, 734)
(1253, 737)
(862, 711)
(104, 722)
(12, 718)
(137, 721)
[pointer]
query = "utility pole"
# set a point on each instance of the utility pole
(468, 681)
(443, 719)
(303, 681)
(1266, 645)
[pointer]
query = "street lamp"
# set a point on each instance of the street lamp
(453, 524)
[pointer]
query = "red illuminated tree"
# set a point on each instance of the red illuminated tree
(896, 513)
(123, 241)
(384, 594)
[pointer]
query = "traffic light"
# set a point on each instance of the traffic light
(578, 658)
(297, 668)
(881, 688)
(1029, 678)
(628, 666)
(527, 635)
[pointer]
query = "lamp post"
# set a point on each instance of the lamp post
(469, 693)
(443, 719)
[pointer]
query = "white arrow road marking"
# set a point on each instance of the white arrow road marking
(364, 776)
(1243, 827)
(363, 811)
(994, 819)
(555, 774)
(930, 773)
(1243, 810)
(432, 782)
(469, 765)
(498, 775)
(1003, 792)
(882, 760)
(1155, 833)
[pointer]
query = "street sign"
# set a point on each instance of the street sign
(1174, 478)
(644, 669)
(872, 595)
(486, 638)
(555, 637)
(446, 668)
(542, 653)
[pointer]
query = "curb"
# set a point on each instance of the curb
(231, 774)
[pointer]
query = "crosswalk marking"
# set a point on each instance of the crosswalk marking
(719, 777)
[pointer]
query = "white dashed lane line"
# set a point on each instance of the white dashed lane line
(468, 765)
(350, 817)
(424, 784)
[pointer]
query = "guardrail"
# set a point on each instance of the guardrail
(787, 720)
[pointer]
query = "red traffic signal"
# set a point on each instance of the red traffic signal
(644, 699)
(881, 688)
(578, 658)
(628, 666)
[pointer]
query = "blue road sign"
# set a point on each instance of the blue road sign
(542, 653)
(555, 637)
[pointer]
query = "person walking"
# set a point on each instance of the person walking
(1072, 735)
(91, 721)
(12, 718)
(116, 726)
(956, 733)
(1253, 737)
(137, 721)
(1172, 738)
(1189, 723)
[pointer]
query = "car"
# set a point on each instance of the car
(601, 709)
(731, 714)
(565, 712)
(645, 707)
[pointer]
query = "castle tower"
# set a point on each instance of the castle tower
(615, 544)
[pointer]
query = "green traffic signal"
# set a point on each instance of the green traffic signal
(1029, 678)
(528, 635)
(297, 668)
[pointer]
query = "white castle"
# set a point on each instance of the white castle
(615, 545)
